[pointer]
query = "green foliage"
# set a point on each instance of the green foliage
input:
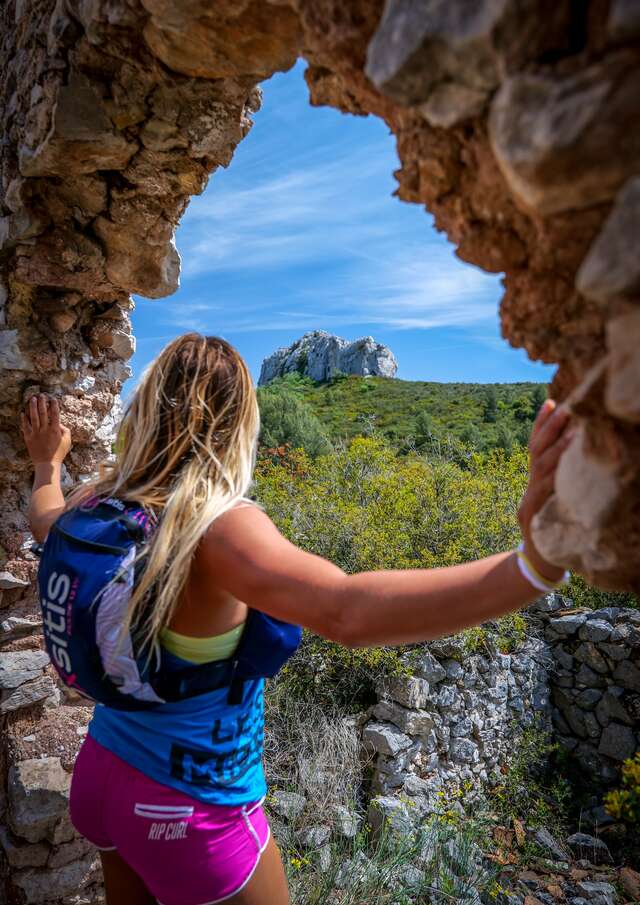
(424, 427)
(583, 594)
(286, 419)
(490, 411)
(534, 790)
(510, 634)
(337, 676)
(624, 803)
(471, 436)
(420, 415)
(523, 408)
(538, 396)
(505, 438)
(364, 508)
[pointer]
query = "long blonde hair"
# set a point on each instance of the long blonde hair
(186, 451)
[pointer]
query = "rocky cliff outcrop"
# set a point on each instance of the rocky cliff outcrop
(321, 355)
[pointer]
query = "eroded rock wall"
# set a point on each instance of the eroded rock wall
(517, 126)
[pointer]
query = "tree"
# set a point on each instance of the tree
(424, 428)
(539, 395)
(490, 414)
(522, 408)
(504, 438)
(472, 436)
(286, 418)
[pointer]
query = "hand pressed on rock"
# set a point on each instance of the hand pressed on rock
(47, 440)
(550, 437)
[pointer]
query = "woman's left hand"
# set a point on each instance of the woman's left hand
(47, 441)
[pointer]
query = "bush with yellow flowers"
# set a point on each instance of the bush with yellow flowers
(624, 803)
(364, 507)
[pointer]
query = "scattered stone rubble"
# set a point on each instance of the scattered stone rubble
(321, 355)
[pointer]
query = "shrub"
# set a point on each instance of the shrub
(584, 594)
(286, 419)
(490, 412)
(340, 677)
(533, 790)
(624, 803)
(364, 508)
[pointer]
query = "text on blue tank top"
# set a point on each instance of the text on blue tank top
(201, 746)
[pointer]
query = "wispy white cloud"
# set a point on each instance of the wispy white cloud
(306, 234)
(319, 212)
(368, 266)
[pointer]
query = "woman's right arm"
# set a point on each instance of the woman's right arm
(246, 554)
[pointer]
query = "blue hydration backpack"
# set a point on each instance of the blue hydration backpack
(86, 576)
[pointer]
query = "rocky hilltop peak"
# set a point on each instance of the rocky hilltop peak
(320, 355)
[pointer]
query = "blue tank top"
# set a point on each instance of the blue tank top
(202, 746)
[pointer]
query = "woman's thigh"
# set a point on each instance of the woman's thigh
(268, 885)
(122, 885)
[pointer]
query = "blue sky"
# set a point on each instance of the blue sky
(301, 232)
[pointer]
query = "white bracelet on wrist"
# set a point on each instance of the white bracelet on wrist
(534, 578)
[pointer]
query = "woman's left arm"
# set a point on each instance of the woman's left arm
(47, 442)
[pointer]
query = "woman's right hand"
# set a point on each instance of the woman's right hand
(550, 437)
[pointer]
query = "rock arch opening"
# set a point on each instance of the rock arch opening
(117, 113)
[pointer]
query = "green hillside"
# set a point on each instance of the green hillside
(415, 412)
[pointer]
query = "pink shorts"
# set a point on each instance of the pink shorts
(186, 852)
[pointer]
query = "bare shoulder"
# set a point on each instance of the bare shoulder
(244, 517)
(243, 533)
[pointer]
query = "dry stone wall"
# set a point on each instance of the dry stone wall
(458, 717)
(596, 687)
(454, 722)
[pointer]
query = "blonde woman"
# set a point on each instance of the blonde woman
(172, 796)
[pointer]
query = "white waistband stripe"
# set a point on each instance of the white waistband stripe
(163, 812)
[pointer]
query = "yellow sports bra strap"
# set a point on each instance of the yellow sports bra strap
(201, 650)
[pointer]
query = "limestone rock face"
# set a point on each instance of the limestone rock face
(548, 132)
(449, 57)
(608, 270)
(320, 355)
(81, 136)
(38, 797)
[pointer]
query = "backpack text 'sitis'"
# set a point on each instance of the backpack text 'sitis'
(86, 577)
